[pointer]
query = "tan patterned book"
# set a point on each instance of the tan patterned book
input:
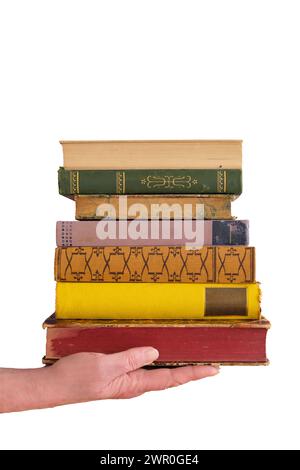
(210, 264)
(157, 207)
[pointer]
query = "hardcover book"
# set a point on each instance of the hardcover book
(220, 264)
(164, 154)
(129, 207)
(149, 181)
(86, 300)
(178, 343)
(148, 233)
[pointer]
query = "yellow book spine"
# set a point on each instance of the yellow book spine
(157, 301)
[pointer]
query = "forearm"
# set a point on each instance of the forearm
(24, 389)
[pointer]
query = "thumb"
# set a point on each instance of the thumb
(127, 361)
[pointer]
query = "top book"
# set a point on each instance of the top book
(147, 154)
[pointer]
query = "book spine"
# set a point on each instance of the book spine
(149, 181)
(157, 301)
(175, 345)
(155, 264)
(87, 207)
(148, 233)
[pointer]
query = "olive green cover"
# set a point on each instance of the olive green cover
(149, 181)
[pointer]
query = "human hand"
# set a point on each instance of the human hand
(91, 376)
(85, 377)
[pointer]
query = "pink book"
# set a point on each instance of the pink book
(152, 232)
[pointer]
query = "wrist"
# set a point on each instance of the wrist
(24, 389)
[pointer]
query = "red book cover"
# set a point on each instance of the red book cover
(178, 342)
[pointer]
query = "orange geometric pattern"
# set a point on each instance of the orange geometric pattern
(220, 264)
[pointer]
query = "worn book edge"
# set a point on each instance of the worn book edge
(51, 360)
(230, 197)
(52, 322)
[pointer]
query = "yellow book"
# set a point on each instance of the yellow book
(157, 301)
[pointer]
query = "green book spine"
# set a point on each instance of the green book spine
(149, 181)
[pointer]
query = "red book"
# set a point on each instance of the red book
(178, 342)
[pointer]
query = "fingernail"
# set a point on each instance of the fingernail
(150, 355)
(213, 370)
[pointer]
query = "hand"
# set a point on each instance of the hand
(92, 376)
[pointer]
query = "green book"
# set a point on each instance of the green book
(149, 181)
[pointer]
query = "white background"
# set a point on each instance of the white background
(140, 70)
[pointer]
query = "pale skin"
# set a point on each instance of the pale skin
(86, 377)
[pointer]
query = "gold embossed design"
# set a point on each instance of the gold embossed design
(74, 182)
(222, 264)
(221, 181)
(120, 182)
(169, 182)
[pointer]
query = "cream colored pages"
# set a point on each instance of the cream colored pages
(187, 154)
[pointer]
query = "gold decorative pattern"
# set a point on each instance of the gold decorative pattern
(221, 181)
(74, 182)
(223, 264)
(120, 182)
(169, 182)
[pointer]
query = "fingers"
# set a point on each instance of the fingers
(142, 381)
(127, 361)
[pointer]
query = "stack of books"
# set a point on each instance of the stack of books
(155, 257)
